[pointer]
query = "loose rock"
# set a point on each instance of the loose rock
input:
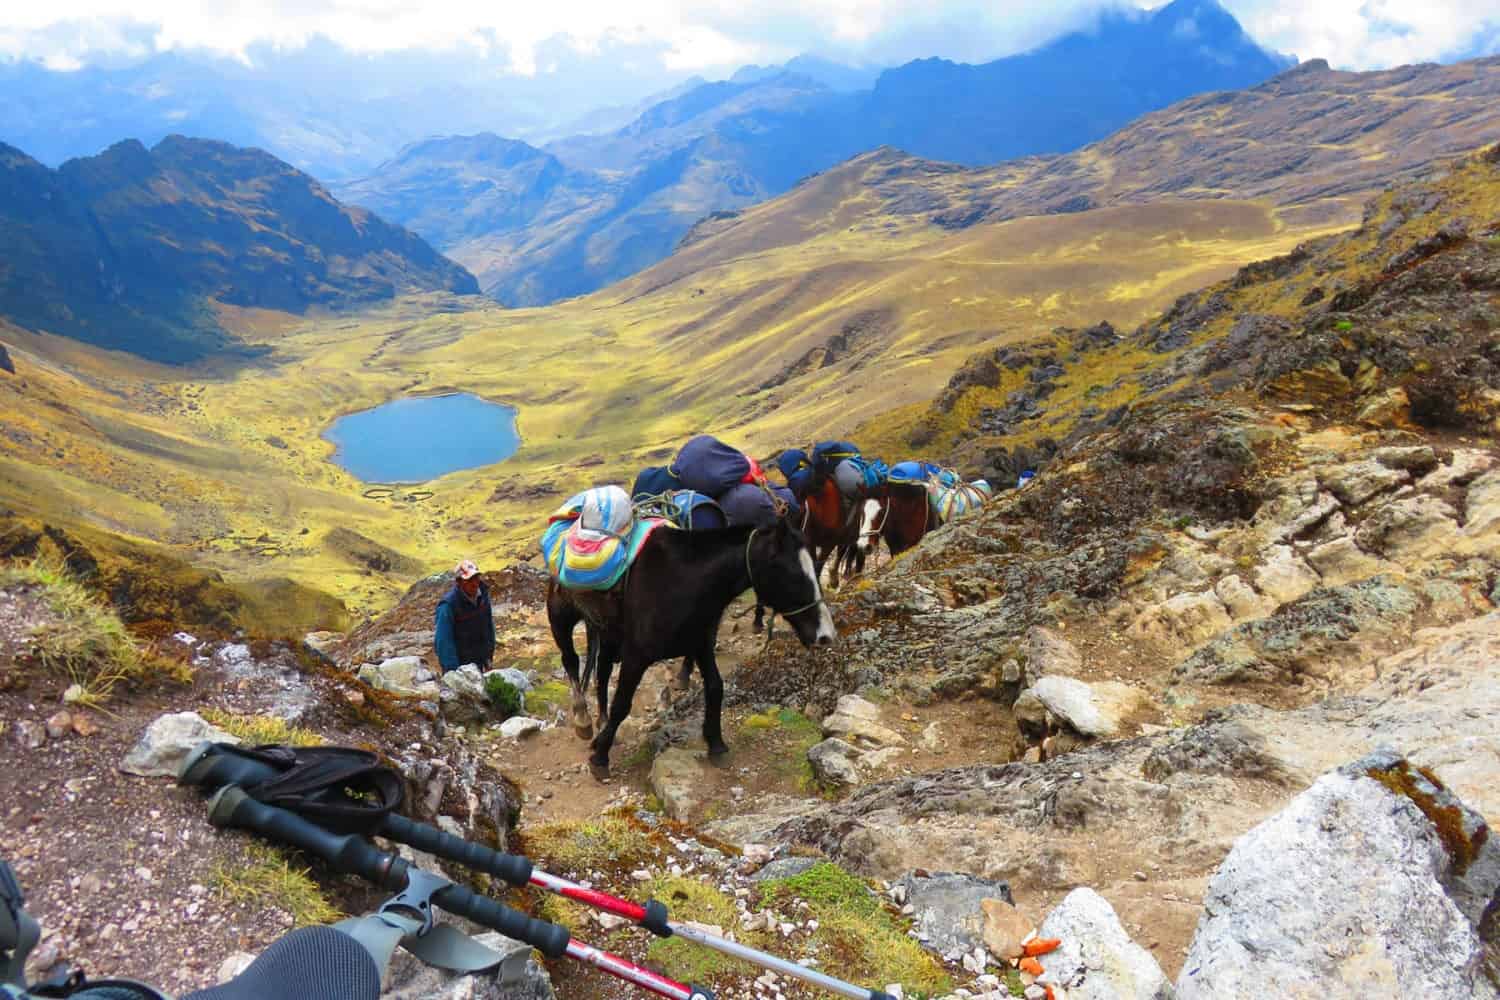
(1097, 960)
(167, 742)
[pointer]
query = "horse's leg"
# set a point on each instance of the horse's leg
(683, 678)
(562, 616)
(608, 654)
(631, 671)
(713, 699)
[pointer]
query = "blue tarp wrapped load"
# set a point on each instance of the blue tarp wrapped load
(793, 461)
(654, 481)
(710, 466)
(696, 512)
(748, 504)
(826, 455)
(913, 473)
(799, 483)
(955, 501)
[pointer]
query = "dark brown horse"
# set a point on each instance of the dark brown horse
(670, 604)
(901, 516)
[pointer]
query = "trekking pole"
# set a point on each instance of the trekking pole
(350, 853)
(653, 915)
(212, 766)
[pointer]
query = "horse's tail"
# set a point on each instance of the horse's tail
(590, 656)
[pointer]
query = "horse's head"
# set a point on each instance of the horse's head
(872, 514)
(782, 573)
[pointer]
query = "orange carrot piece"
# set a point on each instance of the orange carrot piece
(1040, 946)
(1032, 966)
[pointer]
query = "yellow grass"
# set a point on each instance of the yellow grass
(741, 341)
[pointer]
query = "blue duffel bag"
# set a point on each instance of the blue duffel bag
(792, 462)
(748, 504)
(710, 466)
(826, 455)
(654, 481)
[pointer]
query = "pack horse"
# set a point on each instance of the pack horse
(663, 596)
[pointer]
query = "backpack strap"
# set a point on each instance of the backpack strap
(19, 933)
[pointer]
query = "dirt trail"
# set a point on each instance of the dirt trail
(767, 749)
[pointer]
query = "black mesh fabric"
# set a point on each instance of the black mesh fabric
(314, 963)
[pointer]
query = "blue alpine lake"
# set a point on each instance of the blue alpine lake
(422, 437)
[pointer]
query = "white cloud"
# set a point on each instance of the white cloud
(704, 35)
(1369, 34)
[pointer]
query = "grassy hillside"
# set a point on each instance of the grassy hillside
(766, 350)
(1275, 322)
(1315, 142)
(842, 308)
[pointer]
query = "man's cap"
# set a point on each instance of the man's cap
(466, 569)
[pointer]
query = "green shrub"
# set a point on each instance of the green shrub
(503, 695)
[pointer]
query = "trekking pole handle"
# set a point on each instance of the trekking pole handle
(354, 855)
(512, 869)
(346, 853)
(549, 939)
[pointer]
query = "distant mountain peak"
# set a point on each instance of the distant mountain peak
(127, 248)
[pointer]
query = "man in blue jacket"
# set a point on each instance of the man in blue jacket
(465, 625)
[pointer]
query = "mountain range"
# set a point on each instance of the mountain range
(134, 248)
(540, 224)
(330, 111)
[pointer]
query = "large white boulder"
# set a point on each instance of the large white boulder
(1373, 882)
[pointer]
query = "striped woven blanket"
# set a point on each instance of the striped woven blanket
(592, 539)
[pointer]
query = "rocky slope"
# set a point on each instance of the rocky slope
(1216, 693)
(1241, 625)
(132, 248)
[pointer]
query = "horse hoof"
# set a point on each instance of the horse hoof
(583, 730)
(600, 771)
(718, 750)
(680, 684)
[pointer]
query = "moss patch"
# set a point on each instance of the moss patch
(863, 940)
(1424, 788)
(544, 699)
(268, 879)
(257, 729)
(790, 734)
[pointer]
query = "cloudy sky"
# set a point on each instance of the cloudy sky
(712, 36)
